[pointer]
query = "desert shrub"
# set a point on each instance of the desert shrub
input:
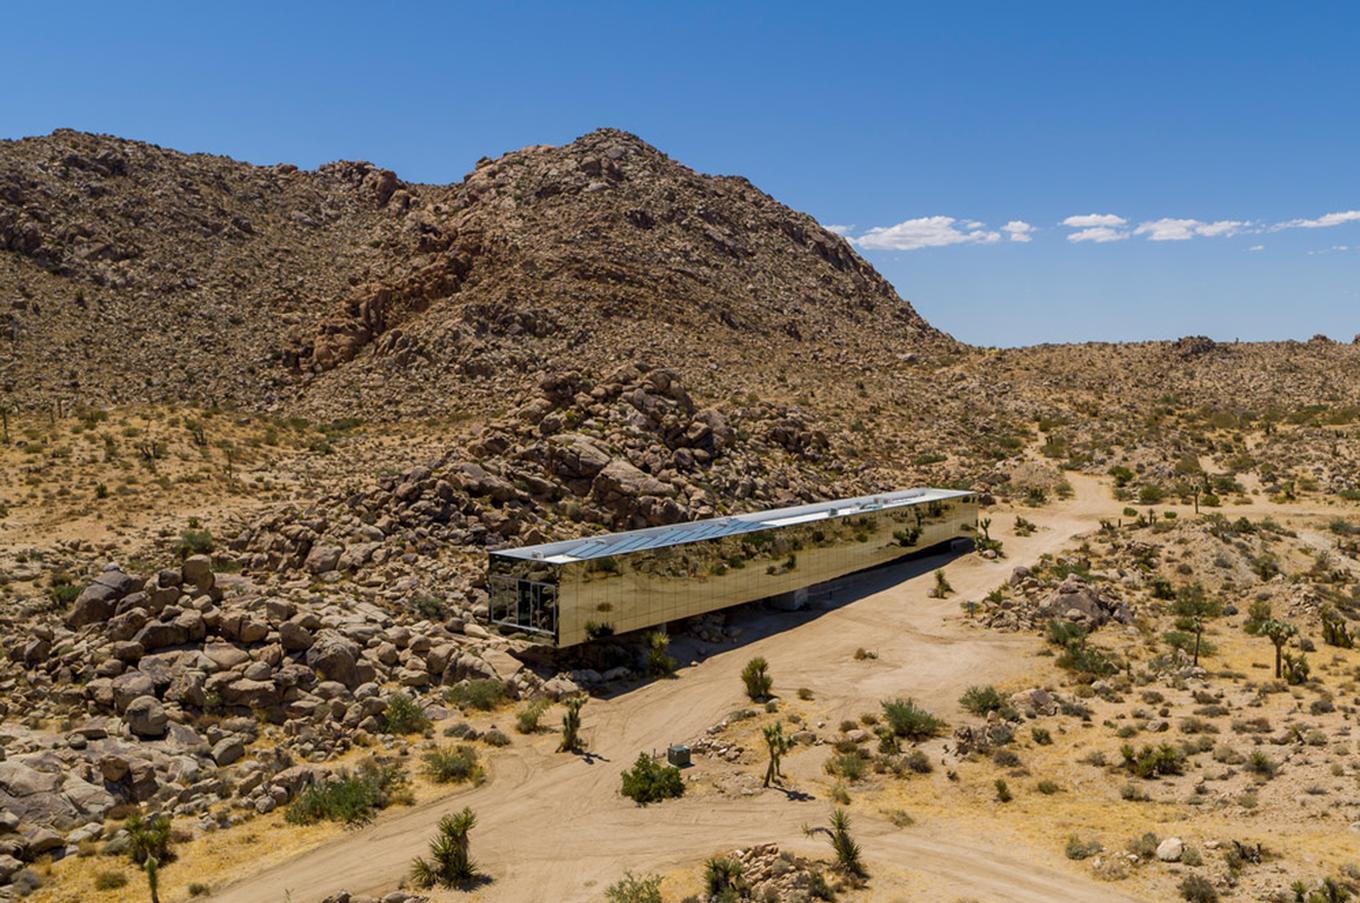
(918, 762)
(848, 765)
(1003, 792)
(194, 542)
(349, 797)
(1047, 788)
(981, 700)
(907, 719)
(756, 677)
(404, 716)
(649, 781)
(110, 880)
(1198, 889)
(1258, 763)
(484, 694)
(1041, 735)
(804, 693)
(453, 764)
(62, 590)
(1005, 758)
(634, 889)
(1085, 659)
(1151, 761)
(528, 716)
(1144, 846)
(495, 737)
(1079, 848)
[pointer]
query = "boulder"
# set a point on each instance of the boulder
(97, 602)
(323, 558)
(1170, 850)
(334, 657)
(145, 717)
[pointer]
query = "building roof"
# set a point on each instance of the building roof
(607, 544)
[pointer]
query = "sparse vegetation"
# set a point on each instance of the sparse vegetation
(453, 764)
(350, 797)
(756, 677)
(648, 781)
(450, 863)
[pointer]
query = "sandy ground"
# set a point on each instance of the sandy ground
(553, 827)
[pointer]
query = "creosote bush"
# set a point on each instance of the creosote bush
(483, 694)
(453, 764)
(350, 797)
(910, 721)
(404, 716)
(648, 781)
(634, 889)
(981, 700)
(528, 716)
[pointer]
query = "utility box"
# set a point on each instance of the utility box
(678, 755)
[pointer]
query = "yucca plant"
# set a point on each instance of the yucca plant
(450, 863)
(722, 878)
(571, 724)
(848, 855)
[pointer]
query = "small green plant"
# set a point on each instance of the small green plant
(981, 700)
(634, 889)
(1003, 792)
(350, 797)
(1262, 765)
(450, 863)
(198, 889)
(649, 781)
(571, 724)
(404, 716)
(529, 715)
(1152, 761)
(453, 764)
(495, 737)
(908, 720)
(483, 694)
(193, 541)
(756, 677)
(1078, 848)
(942, 586)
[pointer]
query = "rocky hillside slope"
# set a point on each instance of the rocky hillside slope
(134, 273)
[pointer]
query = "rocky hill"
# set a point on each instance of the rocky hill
(133, 273)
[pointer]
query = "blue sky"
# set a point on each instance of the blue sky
(1236, 117)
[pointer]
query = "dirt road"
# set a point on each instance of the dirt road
(553, 827)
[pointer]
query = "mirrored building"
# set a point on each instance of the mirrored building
(571, 591)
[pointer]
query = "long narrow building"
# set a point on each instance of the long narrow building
(575, 590)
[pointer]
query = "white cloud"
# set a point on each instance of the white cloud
(1019, 230)
(1169, 229)
(1089, 220)
(839, 230)
(1257, 248)
(926, 232)
(1322, 222)
(1098, 234)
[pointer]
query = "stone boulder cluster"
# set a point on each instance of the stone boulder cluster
(779, 876)
(1033, 602)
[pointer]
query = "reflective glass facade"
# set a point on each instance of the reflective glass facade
(569, 599)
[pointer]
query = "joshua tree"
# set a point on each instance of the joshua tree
(756, 676)
(450, 861)
(153, 879)
(846, 850)
(777, 744)
(571, 725)
(1279, 633)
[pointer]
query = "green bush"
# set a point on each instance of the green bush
(649, 781)
(659, 661)
(527, 718)
(484, 694)
(453, 764)
(450, 863)
(1003, 792)
(847, 765)
(194, 542)
(723, 880)
(495, 737)
(981, 700)
(1077, 848)
(1258, 763)
(1152, 761)
(908, 720)
(404, 716)
(349, 797)
(634, 889)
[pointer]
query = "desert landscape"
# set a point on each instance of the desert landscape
(261, 426)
